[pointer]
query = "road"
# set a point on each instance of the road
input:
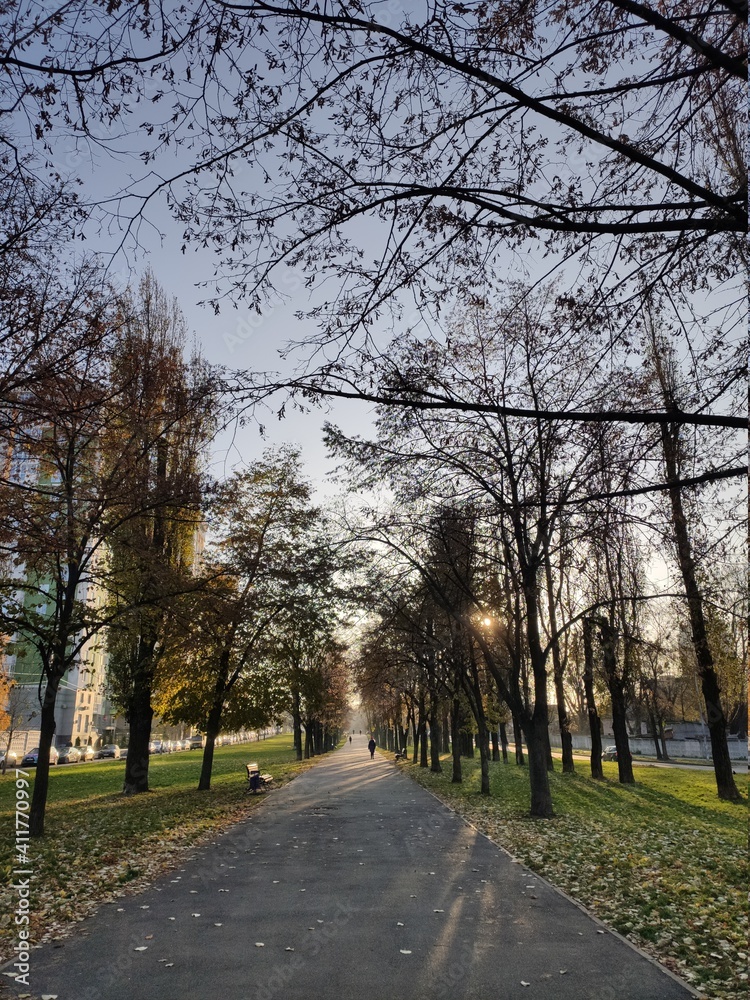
(350, 882)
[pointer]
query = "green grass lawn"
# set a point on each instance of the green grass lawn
(663, 862)
(98, 843)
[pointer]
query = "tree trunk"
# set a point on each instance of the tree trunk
(558, 668)
(212, 731)
(504, 741)
(435, 744)
(140, 716)
(41, 778)
(518, 740)
(654, 730)
(536, 746)
(484, 757)
(418, 740)
(423, 756)
(566, 739)
(717, 726)
(595, 726)
(619, 703)
(662, 737)
(445, 731)
(495, 745)
(297, 722)
(457, 776)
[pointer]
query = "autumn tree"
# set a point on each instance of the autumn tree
(65, 495)
(165, 412)
(267, 565)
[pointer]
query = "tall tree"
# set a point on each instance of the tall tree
(67, 489)
(675, 452)
(166, 408)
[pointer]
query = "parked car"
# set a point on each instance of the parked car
(610, 753)
(87, 752)
(32, 757)
(10, 759)
(111, 750)
(196, 742)
(69, 755)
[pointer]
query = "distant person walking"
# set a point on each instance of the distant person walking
(371, 747)
(350, 739)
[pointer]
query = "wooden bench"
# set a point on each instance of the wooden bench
(256, 782)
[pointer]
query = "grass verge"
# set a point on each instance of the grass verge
(99, 845)
(664, 862)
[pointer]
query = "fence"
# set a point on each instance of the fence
(698, 748)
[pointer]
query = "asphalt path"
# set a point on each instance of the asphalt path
(349, 882)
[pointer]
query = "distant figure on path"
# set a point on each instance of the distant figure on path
(371, 747)
(350, 739)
